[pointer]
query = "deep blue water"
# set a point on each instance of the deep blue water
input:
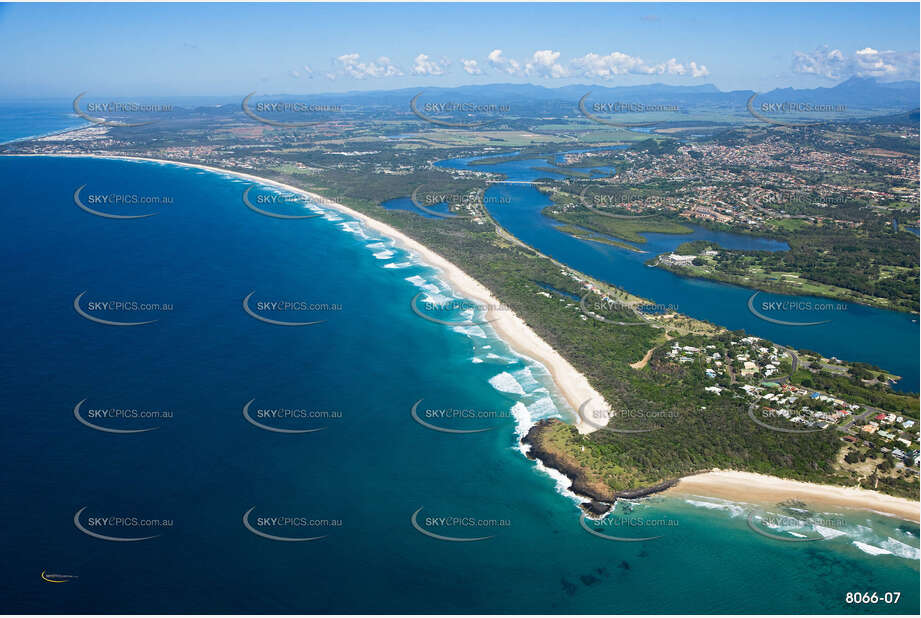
(887, 339)
(370, 469)
(19, 120)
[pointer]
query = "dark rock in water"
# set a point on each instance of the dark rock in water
(602, 571)
(595, 507)
(568, 587)
(589, 580)
(624, 565)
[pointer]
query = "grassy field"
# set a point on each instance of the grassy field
(625, 229)
(578, 232)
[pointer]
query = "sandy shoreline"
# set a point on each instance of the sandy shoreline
(572, 385)
(769, 490)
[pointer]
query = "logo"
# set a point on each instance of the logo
(784, 521)
(113, 306)
(116, 200)
(774, 107)
(601, 120)
(278, 306)
(279, 521)
(608, 304)
(454, 107)
(283, 107)
(434, 213)
(278, 414)
(115, 522)
(628, 522)
(272, 199)
(603, 415)
(451, 413)
(785, 306)
(450, 522)
(751, 414)
(449, 306)
(57, 578)
(109, 414)
(606, 214)
(114, 107)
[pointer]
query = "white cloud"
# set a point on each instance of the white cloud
(618, 63)
(501, 63)
(544, 63)
(422, 65)
(698, 70)
(471, 67)
(867, 62)
(824, 62)
(353, 67)
(607, 67)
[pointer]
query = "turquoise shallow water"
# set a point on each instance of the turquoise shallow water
(358, 480)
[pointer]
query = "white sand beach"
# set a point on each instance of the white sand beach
(764, 489)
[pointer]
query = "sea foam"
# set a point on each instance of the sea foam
(506, 383)
(734, 510)
(901, 549)
(872, 550)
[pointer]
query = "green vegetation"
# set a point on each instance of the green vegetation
(872, 265)
(850, 386)
(578, 232)
(626, 229)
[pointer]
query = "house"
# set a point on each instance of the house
(749, 368)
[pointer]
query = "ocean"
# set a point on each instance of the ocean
(24, 119)
(365, 480)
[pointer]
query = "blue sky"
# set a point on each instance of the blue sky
(229, 49)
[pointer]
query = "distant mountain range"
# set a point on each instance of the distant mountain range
(855, 93)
